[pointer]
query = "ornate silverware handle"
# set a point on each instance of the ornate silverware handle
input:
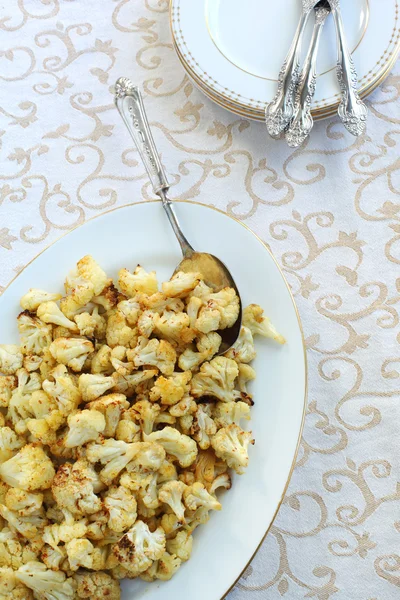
(302, 121)
(279, 112)
(129, 102)
(352, 110)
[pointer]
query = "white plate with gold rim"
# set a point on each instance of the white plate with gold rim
(141, 233)
(236, 48)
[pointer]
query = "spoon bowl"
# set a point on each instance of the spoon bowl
(216, 275)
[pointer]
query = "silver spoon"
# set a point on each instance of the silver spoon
(129, 102)
(302, 121)
(352, 110)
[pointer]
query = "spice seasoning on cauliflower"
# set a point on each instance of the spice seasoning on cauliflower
(119, 427)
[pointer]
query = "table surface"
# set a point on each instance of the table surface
(330, 212)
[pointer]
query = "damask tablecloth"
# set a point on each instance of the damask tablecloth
(330, 211)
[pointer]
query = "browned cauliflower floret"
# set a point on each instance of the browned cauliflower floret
(92, 387)
(91, 324)
(258, 323)
(45, 583)
(182, 447)
(207, 346)
(34, 298)
(19, 471)
(155, 353)
(61, 387)
(203, 427)
(120, 505)
(130, 384)
(114, 454)
(118, 332)
(11, 359)
(48, 312)
(219, 311)
(95, 586)
(137, 282)
(111, 406)
(71, 352)
(243, 350)
(10, 443)
(217, 379)
(83, 283)
(75, 486)
(163, 569)
(171, 493)
(29, 526)
(231, 444)
(84, 426)
(246, 374)
(226, 413)
(174, 327)
(181, 284)
(170, 390)
(8, 384)
(10, 587)
(35, 335)
(181, 545)
(196, 496)
(138, 548)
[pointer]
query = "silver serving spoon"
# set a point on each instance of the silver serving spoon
(129, 102)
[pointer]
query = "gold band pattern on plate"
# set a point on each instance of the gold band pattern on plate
(298, 319)
(375, 75)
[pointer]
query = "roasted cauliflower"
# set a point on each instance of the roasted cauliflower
(119, 424)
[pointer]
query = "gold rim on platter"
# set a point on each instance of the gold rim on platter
(323, 111)
(298, 320)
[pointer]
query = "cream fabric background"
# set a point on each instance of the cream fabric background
(330, 212)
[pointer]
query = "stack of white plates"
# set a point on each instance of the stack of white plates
(233, 50)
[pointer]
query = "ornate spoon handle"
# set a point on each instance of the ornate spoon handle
(302, 121)
(352, 110)
(279, 112)
(129, 102)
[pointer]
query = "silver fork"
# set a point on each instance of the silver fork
(302, 122)
(280, 111)
(352, 110)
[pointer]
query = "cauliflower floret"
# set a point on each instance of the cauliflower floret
(182, 447)
(121, 506)
(181, 284)
(31, 469)
(101, 361)
(63, 390)
(109, 297)
(95, 586)
(75, 486)
(10, 443)
(11, 359)
(131, 310)
(19, 411)
(136, 550)
(137, 282)
(71, 352)
(196, 496)
(246, 374)
(32, 362)
(14, 551)
(91, 324)
(84, 426)
(171, 493)
(92, 387)
(156, 353)
(258, 323)
(174, 327)
(87, 274)
(118, 361)
(65, 532)
(207, 346)
(159, 302)
(29, 526)
(226, 413)
(118, 332)
(48, 312)
(146, 414)
(35, 335)
(192, 308)
(163, 569)
(149, 458)
(53, 557)
(204, 471)
(46, 584)
(181, 545)
(129, 384)
(34, 298)
(243, 350)
(115, 455)
(25, 503)
(111, 406)
(231, 444)
(187, 406)
(10, 587)
(221, 481)
(128, 431)
(172, 389)
(146, 323)
(203, 426)
(8, 384)
(219, 311)
(79, 554)
(216, 379)
(194, 518)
